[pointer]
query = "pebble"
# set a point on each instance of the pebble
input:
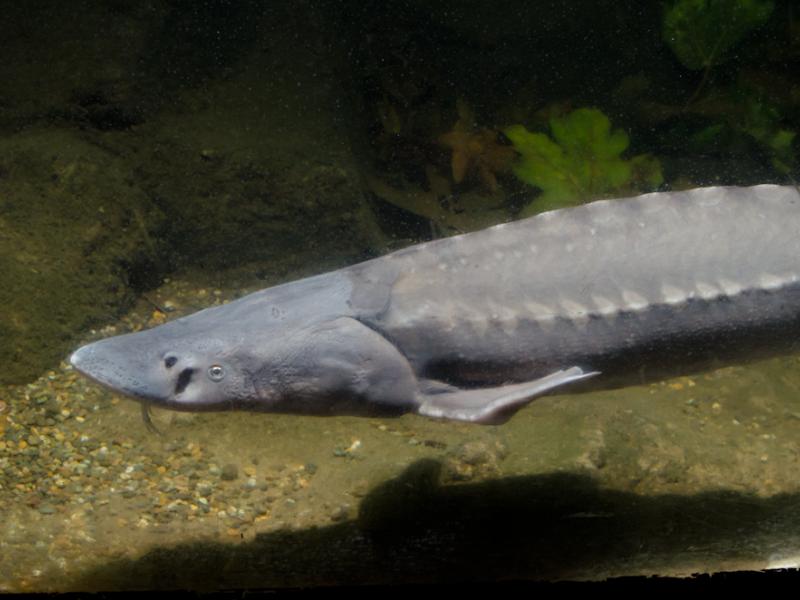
(340, 512)
(204, 488)
(64, 455)
(229, 472)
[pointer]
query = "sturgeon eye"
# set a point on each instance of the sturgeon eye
(216, 372)
(170, 361)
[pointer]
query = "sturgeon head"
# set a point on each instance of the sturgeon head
(170, 366)
(227, 357)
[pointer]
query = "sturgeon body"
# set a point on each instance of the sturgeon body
(474, 326)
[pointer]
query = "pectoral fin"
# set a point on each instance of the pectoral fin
(491, 405)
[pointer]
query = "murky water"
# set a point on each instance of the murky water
(157, 158)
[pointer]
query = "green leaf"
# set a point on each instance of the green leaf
(646, 172)
(701, 32)
(582, 161)
(763, 122)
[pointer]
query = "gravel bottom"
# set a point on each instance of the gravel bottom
(83, 483)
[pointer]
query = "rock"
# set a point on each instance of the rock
(229, 472)
(68, 220)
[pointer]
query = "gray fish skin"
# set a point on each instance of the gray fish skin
(475, 326)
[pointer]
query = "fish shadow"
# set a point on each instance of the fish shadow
(414, 530)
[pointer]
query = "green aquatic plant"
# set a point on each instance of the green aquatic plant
(701, 33)
(582, 161)
(764, 123)
(750, 118)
